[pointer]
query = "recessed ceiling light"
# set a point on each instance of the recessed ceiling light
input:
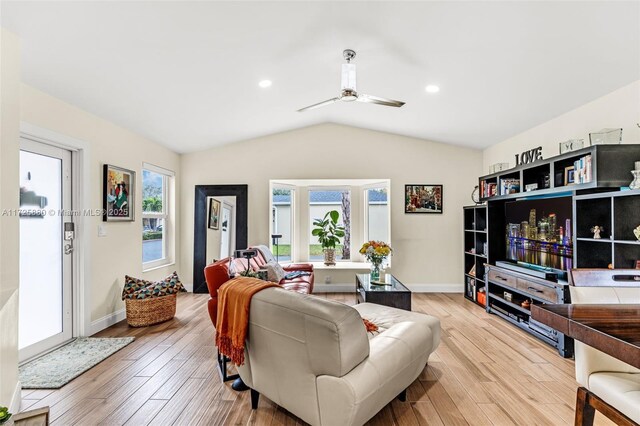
(432, 88)
(265, 83)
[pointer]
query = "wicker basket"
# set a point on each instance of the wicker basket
(143, 312)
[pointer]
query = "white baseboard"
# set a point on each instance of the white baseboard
(16, 399)
(436, 288)
(106, 321)
(334, 288)
(416, 288)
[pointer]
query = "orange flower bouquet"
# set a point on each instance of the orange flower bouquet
(376, 252)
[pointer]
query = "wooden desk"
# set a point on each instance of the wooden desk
(612, 329)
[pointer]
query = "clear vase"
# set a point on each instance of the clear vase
(636, 180)
(375, 271)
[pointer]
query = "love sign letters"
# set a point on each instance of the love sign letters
(529, 156)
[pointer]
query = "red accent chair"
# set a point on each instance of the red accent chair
(217, 274)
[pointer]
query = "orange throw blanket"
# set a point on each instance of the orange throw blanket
(371, 327)
(234, 299)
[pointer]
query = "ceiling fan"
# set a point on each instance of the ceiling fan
(348, 92)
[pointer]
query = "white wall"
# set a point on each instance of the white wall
(618, 109)
(427, 247)
(9, 225)
(120, 252)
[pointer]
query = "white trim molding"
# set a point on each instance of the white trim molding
(16, 399)
(415, 288)
(436, 288)
(106, 321)
(82, 197)
(334, 288)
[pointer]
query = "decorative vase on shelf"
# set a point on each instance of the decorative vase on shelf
(636, 180)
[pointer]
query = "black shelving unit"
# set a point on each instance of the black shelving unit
(610, 168)
(619, 213)
(475, 250)
(598, 198)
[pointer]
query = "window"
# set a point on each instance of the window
(282, 222)
(155, 216)
(320, 203)
(363, 206)
(377, 214)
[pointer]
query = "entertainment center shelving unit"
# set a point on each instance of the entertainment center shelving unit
(475, 256)
(619, 213)
(596, 198)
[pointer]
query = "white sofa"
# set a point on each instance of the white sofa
(613, 381)
(313, 356)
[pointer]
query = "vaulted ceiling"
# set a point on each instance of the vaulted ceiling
(186, 73)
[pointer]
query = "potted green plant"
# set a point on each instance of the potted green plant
(5, 415)
(329, 233)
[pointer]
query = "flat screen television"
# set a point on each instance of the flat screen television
(538, 233)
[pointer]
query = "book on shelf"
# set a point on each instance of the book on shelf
(488, 189)
(582, 169)
(509, 186)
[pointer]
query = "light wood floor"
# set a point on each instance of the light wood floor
(484, 372)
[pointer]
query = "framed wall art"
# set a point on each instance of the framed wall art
(118, 194)
(423, 199)
(214, 213)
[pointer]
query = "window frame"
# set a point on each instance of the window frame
(301, 212)
(365, 213)
(167, 234)
(292, 217)
(365, 197)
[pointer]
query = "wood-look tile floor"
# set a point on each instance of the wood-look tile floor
(484, 372)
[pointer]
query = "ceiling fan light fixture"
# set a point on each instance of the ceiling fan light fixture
(348, 92)
(348, 95)
(349, 77)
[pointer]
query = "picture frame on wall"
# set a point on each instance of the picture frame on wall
(214, 213)
(425, 198)
(118, 194)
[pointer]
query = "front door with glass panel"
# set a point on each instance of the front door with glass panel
(45, 256)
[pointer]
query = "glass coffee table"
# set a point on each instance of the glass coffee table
(393, 293)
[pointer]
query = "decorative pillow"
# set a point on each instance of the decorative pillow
(233, 268)
(133, 285)
(275, 272)
(135, 288)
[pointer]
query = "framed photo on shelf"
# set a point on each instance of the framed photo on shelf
(423, 199)
(118, 194)
(214, 213)
(569, 175)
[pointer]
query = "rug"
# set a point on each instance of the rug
(57, 368)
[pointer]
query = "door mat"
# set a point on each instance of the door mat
(57, 368)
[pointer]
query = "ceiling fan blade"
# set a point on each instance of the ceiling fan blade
(380, 101)
(319, 104)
